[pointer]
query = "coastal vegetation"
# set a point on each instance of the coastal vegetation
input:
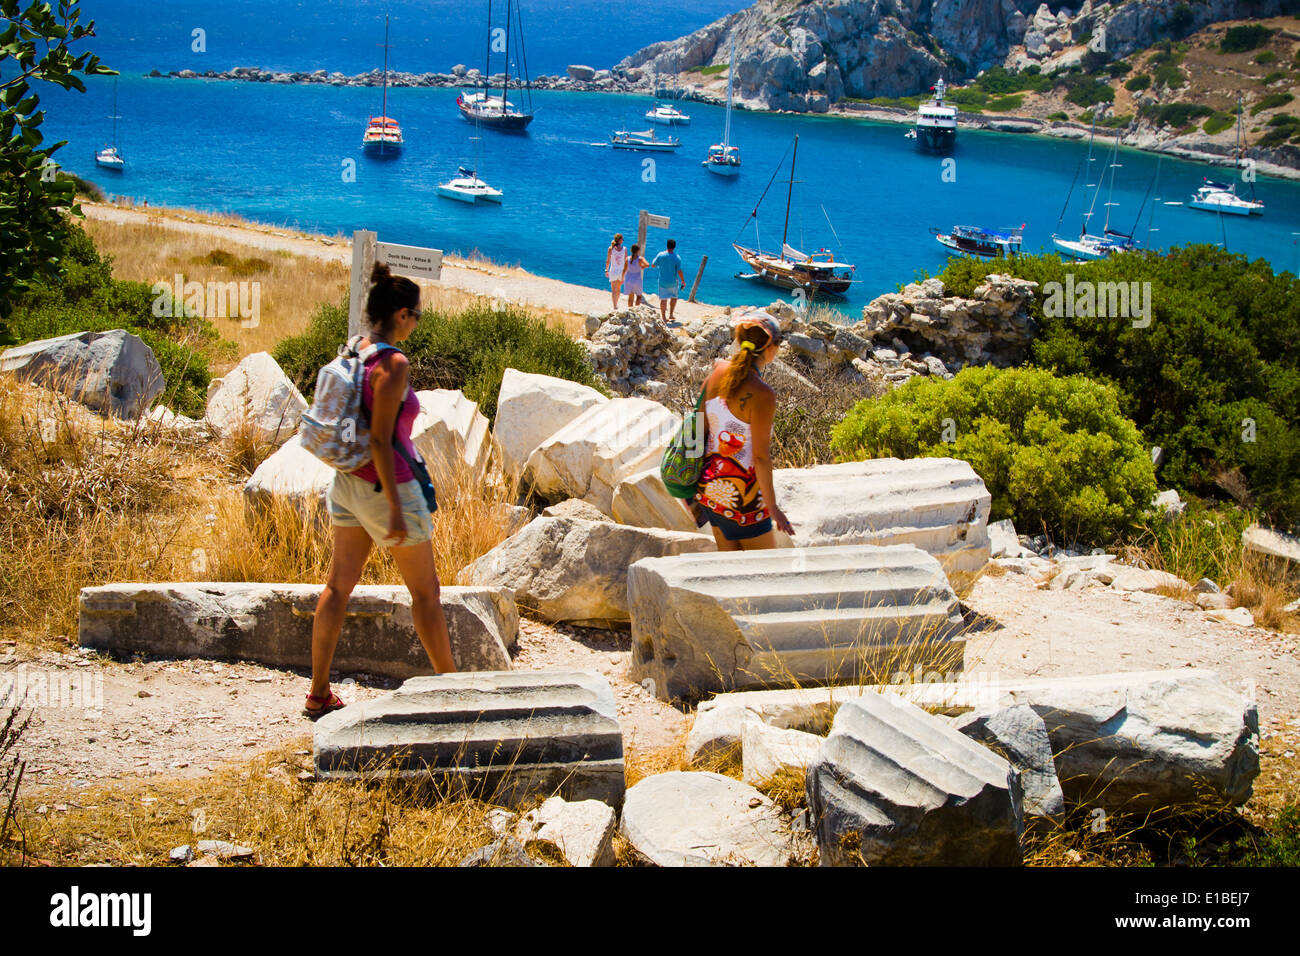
(1056, 453)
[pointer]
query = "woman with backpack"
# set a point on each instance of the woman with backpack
(383, 502)
(735, 492)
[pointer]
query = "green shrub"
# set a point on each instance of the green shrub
(1214, 379)
(1058, 116)
(1169, 76)
(998, 81)
(1122, 121)
(1218, 122)
(88, 299)
(1005, 104)
(1056, 453)
(1271, 102)
(1138, 83)
(1181, 19)
(968, 97)
(714, 70)
(1118, 68)
(1273, 77)
(1176, 115)
(468, 350)
(1268, 56)
(1088, 91)
(1244, 38)
(1280, 845)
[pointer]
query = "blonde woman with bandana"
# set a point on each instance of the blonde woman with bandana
(735, 493)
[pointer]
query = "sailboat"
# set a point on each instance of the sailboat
(383, 137)
(467, 187)
(110, 157)
(1089, 246)
(497, 112)
(723, 158)
(814, 273)
(1222, 197)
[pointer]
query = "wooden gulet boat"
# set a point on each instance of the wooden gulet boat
(817, 273)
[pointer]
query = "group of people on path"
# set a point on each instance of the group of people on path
(386, 503)
(625, 270)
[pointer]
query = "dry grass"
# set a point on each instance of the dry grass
(86, 501)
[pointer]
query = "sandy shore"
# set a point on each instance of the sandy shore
(478, 278)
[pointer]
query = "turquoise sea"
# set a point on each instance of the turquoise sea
(281, 154)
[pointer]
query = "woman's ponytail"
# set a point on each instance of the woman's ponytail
(752, 339)
(388, 295)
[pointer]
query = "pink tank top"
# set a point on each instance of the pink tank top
(405, 421)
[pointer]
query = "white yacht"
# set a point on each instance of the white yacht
(645, 139)
(665, 114)
(936, 122)
(467, 187)
(1220, 197)
(109, 157)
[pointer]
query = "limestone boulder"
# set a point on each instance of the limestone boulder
(937, 504)
(573, 569)
(500, 737)
(779, 618)
(643, 501)
(271, 624)
(582, 832)
(114, 372)
(696, 818)
(717, 734)
(895, 786)
(293, 474)
(767, 751)
(1147, 740)
(1019, 735)
(1124, 578)
(608, 442)
(531, 408)
(452, 437)
(1271, 544)
(255, 396)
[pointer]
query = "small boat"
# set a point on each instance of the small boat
(665, 114)
(109, 157)
(1089, 246)
(817, 273)
(467, 187)
(723, 158)
(981, 242)
(1223, 198)
(383, 135)
(646, 139)
(936, 123)
(497, 112)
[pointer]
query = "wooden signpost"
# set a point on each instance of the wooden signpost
(647, 220)
(415, 261)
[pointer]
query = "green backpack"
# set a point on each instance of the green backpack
(680, 469)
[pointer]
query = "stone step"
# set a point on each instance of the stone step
(502, 737)
(938, 504)
(271, 624)
(740, 620)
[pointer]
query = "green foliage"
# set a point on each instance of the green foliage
(1118, 68)
(245, 266)
(1201, 542)
(1244, 38)
(1138, 83)
(1273, 77)
(469, 350)
(1005, 104)
(1218, 122)
(905, 102)
(968, 98)
(1214, 379)
(1271, 102)
(1169, 76)
(86, 298)
(1088, 91)
(1181, 19)
(1268, 56)
(34, 46)
(1094, 60)
(1058, 116)
(714, 70)
(1176, 115)
(1280, 845)
(1122, 121)
(1055, 453)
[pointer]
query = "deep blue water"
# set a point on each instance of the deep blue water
(277, 154)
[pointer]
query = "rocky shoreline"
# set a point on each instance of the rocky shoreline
(1283, 162)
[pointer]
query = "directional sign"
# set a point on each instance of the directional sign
(410, 260)
(656, 222)
(403, 260)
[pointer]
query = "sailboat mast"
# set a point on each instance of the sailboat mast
(487, 57)
(505, 73)
(785, 231)
(726, 129)
(384, 109)
(1110, 192)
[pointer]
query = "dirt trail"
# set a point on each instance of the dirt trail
(183, 718)
(501, 282)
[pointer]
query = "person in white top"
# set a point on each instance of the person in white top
(615, 259)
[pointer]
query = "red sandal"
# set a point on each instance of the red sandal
(327, 705)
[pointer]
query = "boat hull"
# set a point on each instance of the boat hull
(508, 122)
(935, 139)
(722, 169)
(645, 147)
(1228, 209)
(1083, 251)
(966, 249)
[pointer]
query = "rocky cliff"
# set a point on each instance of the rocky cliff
(807, 54)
